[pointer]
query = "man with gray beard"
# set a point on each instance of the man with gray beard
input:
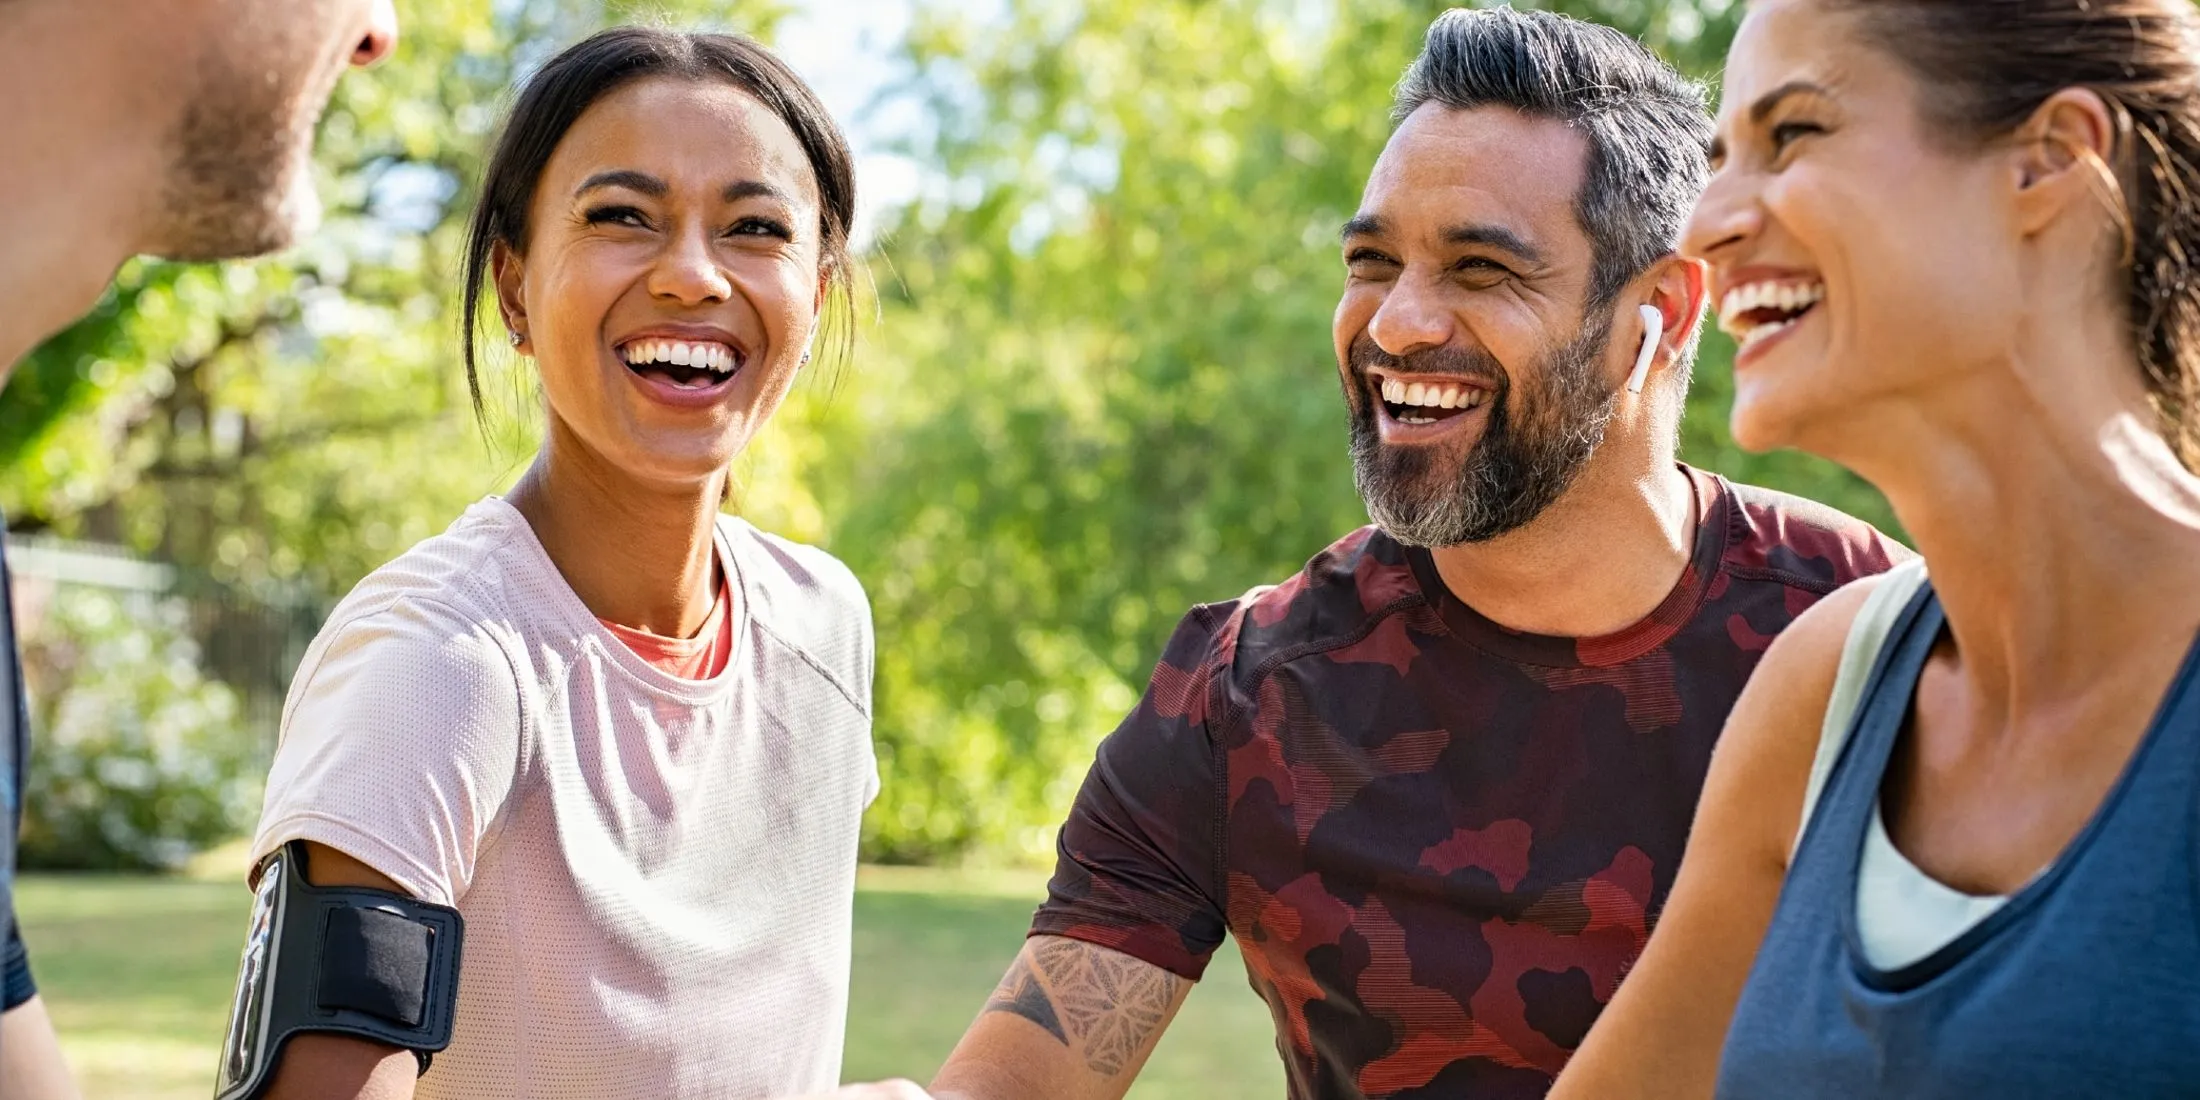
(1437, 783)
(179, 128)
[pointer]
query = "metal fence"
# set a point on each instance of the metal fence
(251, 641)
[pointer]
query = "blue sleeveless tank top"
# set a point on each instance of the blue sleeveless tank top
(2087, 983)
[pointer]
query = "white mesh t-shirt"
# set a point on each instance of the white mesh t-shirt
(656, 873)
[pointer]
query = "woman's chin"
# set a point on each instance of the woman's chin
(1759, 425)
(677, 466)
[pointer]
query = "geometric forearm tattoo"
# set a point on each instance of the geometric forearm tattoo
(1102, 1003)
(1021, 993)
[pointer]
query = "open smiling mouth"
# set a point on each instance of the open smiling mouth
(1428, 401)
(684, 364)
(1756, 312)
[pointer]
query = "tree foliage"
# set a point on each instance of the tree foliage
(1103, 388)
(299, 420)
(1097, 387)
(138, 764)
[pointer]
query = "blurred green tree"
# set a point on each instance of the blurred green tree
(138, 764)
(276, 429)
(1103, 388)
(297, 421)
(1098, 387)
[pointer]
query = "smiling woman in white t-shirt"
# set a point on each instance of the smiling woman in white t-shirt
(625, 736)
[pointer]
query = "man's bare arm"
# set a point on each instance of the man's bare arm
(1070, 1021)
(31, 1067)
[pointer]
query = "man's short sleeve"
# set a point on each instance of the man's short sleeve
(399, 748)
(16, 984)
(1139, 860)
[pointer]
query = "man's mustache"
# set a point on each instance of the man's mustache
(1480, 366)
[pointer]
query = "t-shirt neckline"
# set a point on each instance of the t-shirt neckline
(1714, 502)
(670, 653)
(589, 631)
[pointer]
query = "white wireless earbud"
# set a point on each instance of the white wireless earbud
(808, 342)
(1653, 327)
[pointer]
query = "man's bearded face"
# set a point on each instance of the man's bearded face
(1539, 432)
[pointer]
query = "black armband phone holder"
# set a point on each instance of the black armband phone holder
(343, 960)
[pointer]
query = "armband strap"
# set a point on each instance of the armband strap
(344, 960)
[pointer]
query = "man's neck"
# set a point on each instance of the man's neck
(75, 161)
(1597, 561)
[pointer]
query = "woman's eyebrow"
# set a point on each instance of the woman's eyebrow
(1772, 99)
(749, 189)
(656, 188)
(1765, 105)
(624, 177)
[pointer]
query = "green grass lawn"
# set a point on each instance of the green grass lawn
(138, 972)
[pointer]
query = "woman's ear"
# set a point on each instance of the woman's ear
(2066, 154)
(507, 272)
(817, 315)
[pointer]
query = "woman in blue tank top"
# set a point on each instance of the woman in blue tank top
(1950, 842)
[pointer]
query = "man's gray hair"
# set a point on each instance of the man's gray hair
(1646, 124)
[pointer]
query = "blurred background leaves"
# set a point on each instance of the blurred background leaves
(139, 763)
(1093, 385)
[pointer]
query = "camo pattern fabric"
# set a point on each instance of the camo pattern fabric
(1439, 843)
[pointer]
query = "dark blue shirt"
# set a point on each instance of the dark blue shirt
(15, 968)
(2086, 983)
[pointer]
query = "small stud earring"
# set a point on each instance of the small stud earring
(516, 338)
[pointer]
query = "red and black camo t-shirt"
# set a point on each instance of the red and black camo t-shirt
(1439, 843)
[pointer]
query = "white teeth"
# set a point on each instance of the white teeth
(715, 357)
(1430, 395)
(1791, 298)
(1761, 333)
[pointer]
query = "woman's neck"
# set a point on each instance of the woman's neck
(2062, 534)
(637, 555)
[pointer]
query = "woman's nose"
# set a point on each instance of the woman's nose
(1726, 214)
(688, 271)
(380, 36)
